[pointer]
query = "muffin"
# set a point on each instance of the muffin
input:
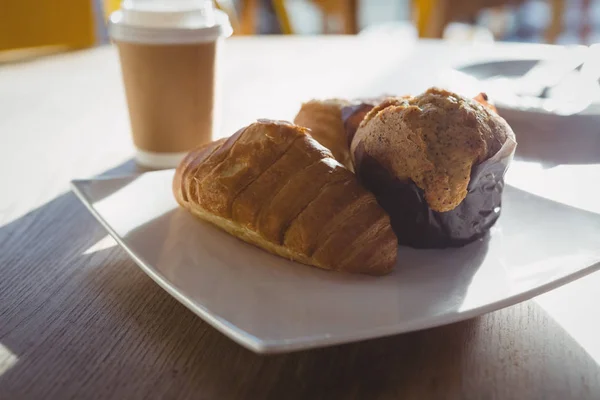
(436, 163)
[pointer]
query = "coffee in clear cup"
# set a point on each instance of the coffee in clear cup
(169, 55)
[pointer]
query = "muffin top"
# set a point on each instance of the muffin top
(433, 139)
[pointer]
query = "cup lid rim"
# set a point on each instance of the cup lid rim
(120, 31)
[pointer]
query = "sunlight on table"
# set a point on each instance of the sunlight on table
(106, 242)
(7, 359)
(572, 307)
(128, 208)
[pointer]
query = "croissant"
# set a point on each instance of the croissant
(272, 185)
(324, 119)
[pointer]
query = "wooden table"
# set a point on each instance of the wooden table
(78, 319)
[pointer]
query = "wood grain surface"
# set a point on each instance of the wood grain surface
(79, 320)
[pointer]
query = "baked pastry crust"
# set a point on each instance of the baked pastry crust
(272, 185)
(324, 119)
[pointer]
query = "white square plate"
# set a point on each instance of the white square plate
(269, 304)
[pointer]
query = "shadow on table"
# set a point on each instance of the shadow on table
(488, 355)
(95, 326)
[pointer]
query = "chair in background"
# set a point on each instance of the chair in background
(36, 27)
(432, 16)
(228, 7)
(72, 23)
(556, 24)
(110, 6)
(338, 16)
(344, 12)
(26, 24)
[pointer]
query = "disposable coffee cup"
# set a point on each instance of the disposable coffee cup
(169, 55)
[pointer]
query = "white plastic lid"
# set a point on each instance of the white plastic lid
(168, 22)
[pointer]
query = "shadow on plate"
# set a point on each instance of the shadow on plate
(512, 68)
